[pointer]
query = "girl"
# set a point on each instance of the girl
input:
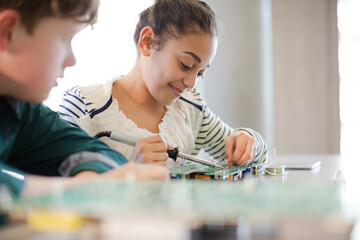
(176, 42)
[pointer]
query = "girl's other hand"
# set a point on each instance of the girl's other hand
(240, 148)
(151, 150)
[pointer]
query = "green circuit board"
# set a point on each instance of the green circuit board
(195, 168)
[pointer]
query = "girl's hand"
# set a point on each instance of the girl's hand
(151, 150)
(240, 148)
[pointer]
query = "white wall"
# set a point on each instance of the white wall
(306, 79)
(238, 85)
(276, 71)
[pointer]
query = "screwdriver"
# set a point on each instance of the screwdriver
(174, 154)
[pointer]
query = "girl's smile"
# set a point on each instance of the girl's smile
(177, 92)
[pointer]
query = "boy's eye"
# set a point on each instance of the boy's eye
(185, 66)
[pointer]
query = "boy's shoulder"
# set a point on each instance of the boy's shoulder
(25, 115)
(19, 107)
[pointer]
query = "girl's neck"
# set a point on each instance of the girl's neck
(136, 102)
(136, 91)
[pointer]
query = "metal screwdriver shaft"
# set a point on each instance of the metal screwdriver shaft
(174, 154)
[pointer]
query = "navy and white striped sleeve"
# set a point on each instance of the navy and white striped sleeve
(72, 107)
(214, 133)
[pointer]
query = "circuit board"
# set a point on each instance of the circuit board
(199, 171)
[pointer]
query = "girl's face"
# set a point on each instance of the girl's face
(176, 67)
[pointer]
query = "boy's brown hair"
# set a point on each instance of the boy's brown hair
(33, 11)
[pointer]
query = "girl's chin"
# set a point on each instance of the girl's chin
(172, 101)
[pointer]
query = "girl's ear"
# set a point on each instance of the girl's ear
(9, 19)
(146, 40)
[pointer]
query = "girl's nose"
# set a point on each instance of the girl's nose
(190, 81)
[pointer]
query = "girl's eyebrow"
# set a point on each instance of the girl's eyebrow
(196, 57)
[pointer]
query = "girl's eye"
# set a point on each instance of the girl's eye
(200, 74)
(185, 66)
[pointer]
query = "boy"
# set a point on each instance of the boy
(35, 49)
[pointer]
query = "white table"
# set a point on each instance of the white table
(292, 228)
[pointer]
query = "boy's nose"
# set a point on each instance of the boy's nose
(70, 60)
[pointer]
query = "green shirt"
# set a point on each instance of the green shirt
(34, 140)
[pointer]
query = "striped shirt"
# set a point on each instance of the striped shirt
(188, 123)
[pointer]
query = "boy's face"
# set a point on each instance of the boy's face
(35, 61)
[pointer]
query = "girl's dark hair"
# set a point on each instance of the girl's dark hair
(176, 19)
(33, 11)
